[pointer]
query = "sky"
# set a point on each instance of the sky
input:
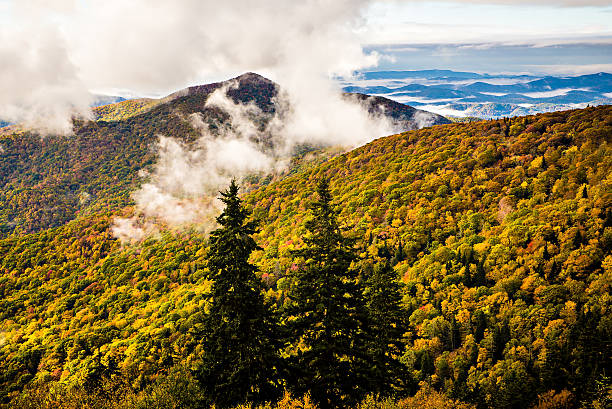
(55, 53)
(537, 37)
(539, 22)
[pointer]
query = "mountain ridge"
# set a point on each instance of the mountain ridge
(39, 194)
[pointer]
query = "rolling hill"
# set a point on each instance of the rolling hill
(500, 233)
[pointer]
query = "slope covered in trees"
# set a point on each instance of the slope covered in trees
(501, 232)
(48, 181)
(498, 233)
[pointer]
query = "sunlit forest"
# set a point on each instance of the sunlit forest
(458, 266)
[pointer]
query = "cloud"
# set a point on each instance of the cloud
(182, 187)
(39, 83)
(130, 230)
(155, 45)
(181, 190)
(424, 119)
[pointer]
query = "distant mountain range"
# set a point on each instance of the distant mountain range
(461, 94)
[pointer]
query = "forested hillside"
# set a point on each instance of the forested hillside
(501, 233)
(498, 234)
(48, 181)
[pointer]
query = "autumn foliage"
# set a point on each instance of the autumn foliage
(499, 234)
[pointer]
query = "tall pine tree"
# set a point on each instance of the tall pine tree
(326, 313)
(240, 354)
(387, 325)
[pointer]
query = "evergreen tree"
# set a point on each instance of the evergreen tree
(240, 355)
(467, 276)
(326, 315)
(399, 254)
(480, 278)
(387, 325)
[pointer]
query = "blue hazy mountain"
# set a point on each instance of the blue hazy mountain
(455, 93)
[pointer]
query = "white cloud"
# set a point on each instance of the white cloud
(53, 52)
(553, 93)
(444, 110)
(182, 187)
(39, 83)
(145, 44)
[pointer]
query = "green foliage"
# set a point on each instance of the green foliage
(240, 354)
(326, 312)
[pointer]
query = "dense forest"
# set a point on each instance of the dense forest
(464, 265)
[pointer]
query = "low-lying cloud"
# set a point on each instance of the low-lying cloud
(182, 187)
(40, 86)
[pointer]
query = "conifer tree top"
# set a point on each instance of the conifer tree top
(234, 213)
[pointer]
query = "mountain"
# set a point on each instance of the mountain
(500, 232)
(462, 94)
(402, 116)
(45, 182)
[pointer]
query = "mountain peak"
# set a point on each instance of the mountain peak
(248, 79)
(251, 77)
